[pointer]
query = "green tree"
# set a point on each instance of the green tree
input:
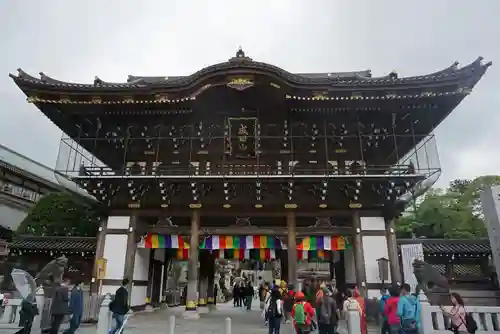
(61, 214)
(451, 213)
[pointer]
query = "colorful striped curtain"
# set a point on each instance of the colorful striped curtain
(182, 254)
(153, 240)
(316, 255)
(241, 242)
(262, 254)
(323, 243)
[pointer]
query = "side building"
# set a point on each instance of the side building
(23, 182)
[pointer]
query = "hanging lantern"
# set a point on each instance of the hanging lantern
(383, 269)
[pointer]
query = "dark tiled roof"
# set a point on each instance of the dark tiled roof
(452, 72)
(54, 243)
(451, 246)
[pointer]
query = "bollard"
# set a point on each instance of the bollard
(40, 302)
(227, 327)
(353, 318)
(171, 324)
(104, 320)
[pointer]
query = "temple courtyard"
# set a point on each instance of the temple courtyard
(243, 322)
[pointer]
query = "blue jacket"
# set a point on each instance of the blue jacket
(409, 308)
(381, 304)
(76, 302)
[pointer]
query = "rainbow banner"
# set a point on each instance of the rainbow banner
(214, 242)
(153, 240)
(262, 254)
(323, 243)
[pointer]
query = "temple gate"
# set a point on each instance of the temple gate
(301, 155)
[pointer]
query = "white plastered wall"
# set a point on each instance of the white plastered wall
(115, 247)
(141, 270)
(374, 247)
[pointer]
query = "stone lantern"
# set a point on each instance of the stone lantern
(383, 270)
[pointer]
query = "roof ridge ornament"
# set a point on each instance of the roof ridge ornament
(240, 56)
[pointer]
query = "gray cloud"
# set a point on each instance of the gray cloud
(76, 40)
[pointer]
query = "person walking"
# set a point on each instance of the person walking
(76, 308)
(263, 289)
(391, 310)
(328, 314)
(267, 300)
(29, 310)
(236, 295)
(382, 302)
(60, 306)
(362, 310)
(408, 310)
(288, 302)
(302, 314)
(249, 292)
(274, 311)
(119, 306)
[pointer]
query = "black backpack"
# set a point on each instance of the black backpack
(470, 323)
(273, 309)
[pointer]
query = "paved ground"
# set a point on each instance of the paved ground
(243, 322)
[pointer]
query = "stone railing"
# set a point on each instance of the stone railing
(432, 319)
(9, 315)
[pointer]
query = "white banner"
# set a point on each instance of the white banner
(408, 254)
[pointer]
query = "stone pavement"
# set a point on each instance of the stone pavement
(243, 322)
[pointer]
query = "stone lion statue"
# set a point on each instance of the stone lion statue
(51, 275)
(431, 282)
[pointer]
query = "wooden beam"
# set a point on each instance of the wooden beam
(232, 213)
(238, 230)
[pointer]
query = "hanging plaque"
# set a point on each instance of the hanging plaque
(242, 139)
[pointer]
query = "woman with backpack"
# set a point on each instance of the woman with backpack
(302, 314)
(461, 322)
(274, 310)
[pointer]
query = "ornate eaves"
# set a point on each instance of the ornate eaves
(242, 65)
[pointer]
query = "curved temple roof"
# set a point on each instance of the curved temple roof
(241, 64)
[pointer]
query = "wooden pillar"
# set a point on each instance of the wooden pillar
(192, 285)
(128, 271)
(292, 248)
(166, 263)
(149, 288)
(99, 253)
(211, 280)
(392, 251)
(359, 258)
(203, 279)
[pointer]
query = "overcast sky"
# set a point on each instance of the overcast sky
(77, 40)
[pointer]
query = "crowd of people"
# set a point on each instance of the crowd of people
(67, 301)
(243, 294)
(322, 307)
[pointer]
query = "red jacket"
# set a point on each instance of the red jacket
(390, 310)
(308, 310)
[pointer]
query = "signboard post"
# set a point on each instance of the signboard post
(490, 201)
(102, 265)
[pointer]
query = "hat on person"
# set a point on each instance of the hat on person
(299, 296)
